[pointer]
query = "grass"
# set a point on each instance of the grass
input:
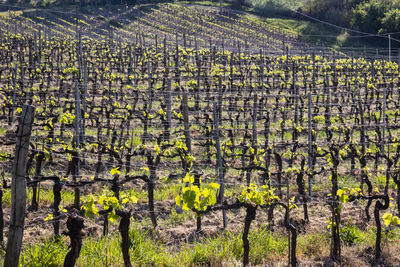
(314, 244)
(178, 219)
(146, 251)
(46, 197)
(162, 193)
(266, 248)
(104, 251)
(50, 252)
(311, 32)
(348, 181)
(265, 245)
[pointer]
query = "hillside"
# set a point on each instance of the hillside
(248, 28)
(173, 135)
(149, 24)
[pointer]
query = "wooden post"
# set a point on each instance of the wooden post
(362, 134)
(362, 141)
(313, 73)
(268, 150)
(310, 141)
(219, 162)
(169, 112)
(134, 73)
(77, 144)
(85, 81)
(261, 71)
(186, 121)
(22, 78)
(150, 87)
(328, 108)
(398, 56)
(14, 96)
(18, 188)
(156, 40)
(1, 212)
(383, 120)
(288, 219)
(220, 96)
(255, 144)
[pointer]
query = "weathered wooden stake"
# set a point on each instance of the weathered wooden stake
(18, 188)
(310, 140)
(14, 96)
(186, 121)
(219, 162)
(76, 175)
(169, 110)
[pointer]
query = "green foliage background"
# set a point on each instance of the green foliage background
(372, 16)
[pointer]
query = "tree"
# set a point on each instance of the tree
(391, 21)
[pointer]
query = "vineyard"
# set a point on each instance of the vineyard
(169, 135)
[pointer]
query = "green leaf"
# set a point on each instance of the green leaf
(189, 197)
(257, 195)
(112, 217)
(90, 208)
(115, 171)
(157, 149)
(188, 178)
(215, 185)
(340, 192)
(134, 199)
(387, 219)
(49, 217)
(396, 220)
(178, 200)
